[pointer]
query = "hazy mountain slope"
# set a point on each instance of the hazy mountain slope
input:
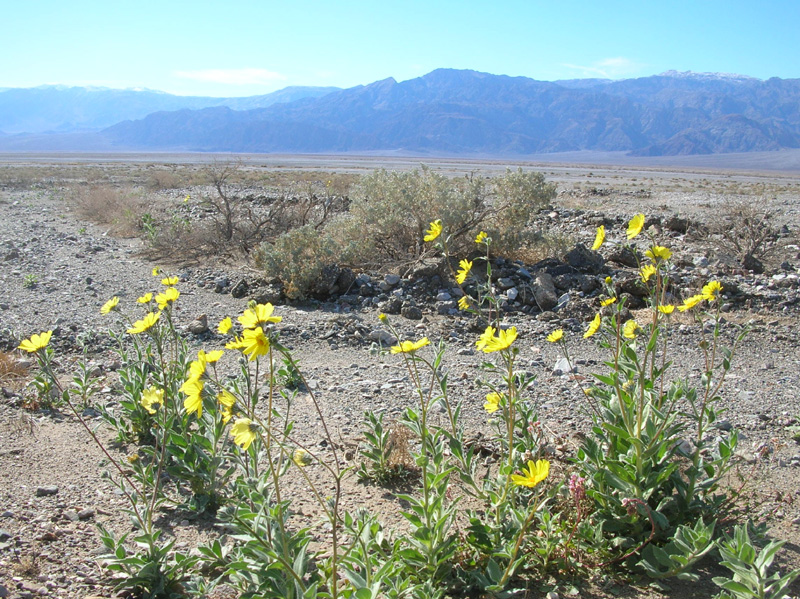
(67, 109)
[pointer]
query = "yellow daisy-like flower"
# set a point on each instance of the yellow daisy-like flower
(408, 347)
(691, 302)
(711, 290)
(150, 397)
(226, 398)
(301, 457)
(556, 336)
(463, 272)
(647, 271)
(658, 252)
(607, 302)
(629, 329)
(165, 299)
(197, 368)
(36, 342)
(156, 271)
(235, 343)
(225, 325)
(227, 414)
(383, 318)
(434, 231)
(533, 475)
(169, 281)
(140, 326)
(489, 343)
(492, 402)
(635, 226)
(254, 343)
(109, 305)
(463, 303)
(482, 237)
(244, 432)
(145, 299)
(666, 309)
(599, 238)
(210, 357)
(261, 314)
(193, 389)
(594, 326)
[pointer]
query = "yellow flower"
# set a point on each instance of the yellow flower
(629, 329)
(407, 347)
(594, 326)
(156, 271)
(555, 336)
(254, 343)
(193, 389)
(227, 414)
(225, 325)
(152, 396)
(382, 317)
(599, 238)
(197, 368)
(489, 343)
(635, 226)
(36, 342)
(235, 343)
(463, 303)
(301, 457)
(165, 299)
(260, 314)
(607, 302)
(463, 272)
(244, 432)
(434, 231)
(535, 473)
(666, 309)
(145, 299)
(492, 402)
(711, 289)
(658, 252)
(482, 237)
(109, 305)
(140, 326)
(226, 398)
(210, 357)
(169, 281)
(691, 302)
(647, 271)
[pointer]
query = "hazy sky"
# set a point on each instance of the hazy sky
(239, 48)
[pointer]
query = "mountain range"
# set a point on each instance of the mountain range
(446, 112)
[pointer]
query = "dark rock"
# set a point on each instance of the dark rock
(391, 306)
(626, 257)
(271, 294)
(678, 224)
(544, 291)
(46, 490)
(240, 289)
(753, 264)
(345, 281)
(199, 325)
(326, 282)
(585, 260)
(427, 267)
(633, 286)
(411, 312)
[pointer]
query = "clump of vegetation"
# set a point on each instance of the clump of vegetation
(644, 496)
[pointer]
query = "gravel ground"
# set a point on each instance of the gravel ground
(57, 271)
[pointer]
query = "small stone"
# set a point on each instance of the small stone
(199, 325)
(411, 312)
(512, 294)
(443, 296)
(4, 535)
(240, 289)
(391, 279)
(724, 425)
(86, 514)
(3, 592)
(562, 366)
(71, 515)
(46, 490)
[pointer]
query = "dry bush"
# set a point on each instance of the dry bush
(746, 231)
(122, 209)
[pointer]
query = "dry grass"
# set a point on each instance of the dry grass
(12, 373)
(119, 208)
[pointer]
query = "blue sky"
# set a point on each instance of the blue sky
(239, 48)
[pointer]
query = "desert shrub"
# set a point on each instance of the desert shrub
(120, 208)
(747, 232)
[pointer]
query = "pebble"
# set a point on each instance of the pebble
(46, 490)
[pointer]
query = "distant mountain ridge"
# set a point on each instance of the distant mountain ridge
(66, 109)
(469, 113)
